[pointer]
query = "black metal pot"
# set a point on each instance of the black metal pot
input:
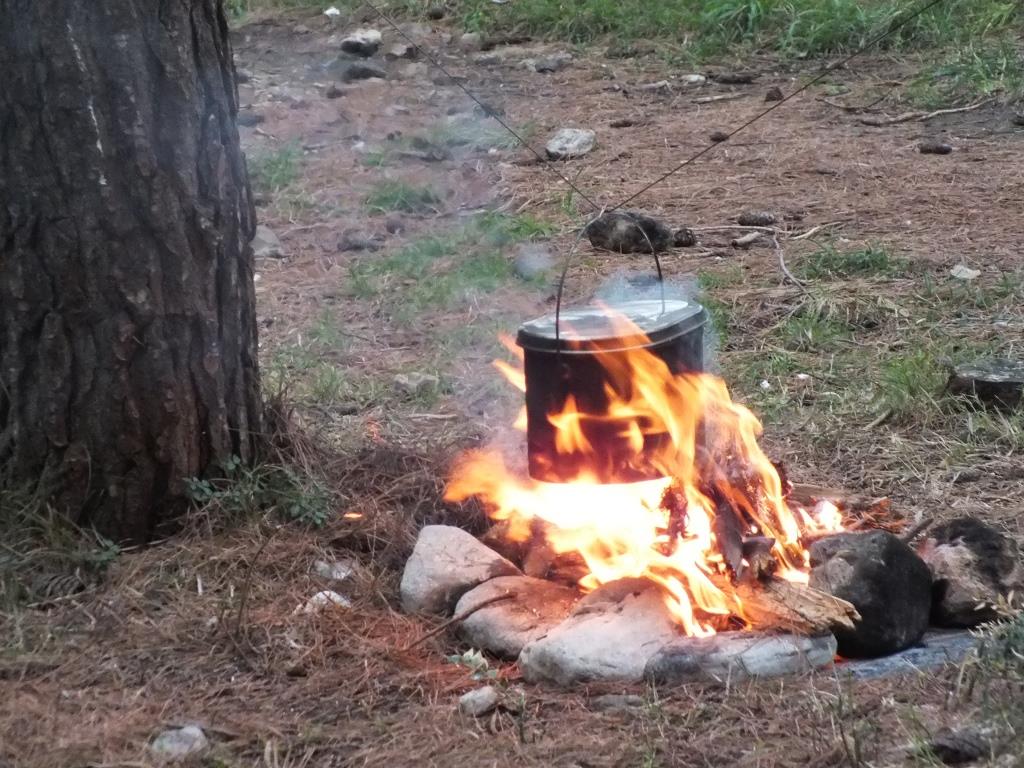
(561, 360)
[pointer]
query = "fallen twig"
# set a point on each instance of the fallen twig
(906, 117)
(720, 97)
(782, 265)
(747, 240)
(459, 617)
(916, 530)
(814, 230)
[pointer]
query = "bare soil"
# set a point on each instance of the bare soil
(202, 628)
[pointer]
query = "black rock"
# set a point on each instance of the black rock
(888, 584)
(684, 237)
(975, 569)
(629, 232)
(435, 12)
(994, 382)
(351, 71)
(774, 94)
(934, 148)
(718, 136)
(248, 118)
(756, 219)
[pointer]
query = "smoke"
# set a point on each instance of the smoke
(634, 284)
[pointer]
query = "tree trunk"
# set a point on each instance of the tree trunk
(128, 353)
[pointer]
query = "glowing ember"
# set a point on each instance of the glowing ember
(682, 531)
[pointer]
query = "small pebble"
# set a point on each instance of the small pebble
(478, 702)
(178, 744)
(774, 94)
(718, 136)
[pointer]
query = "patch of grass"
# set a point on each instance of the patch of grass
(273, 171)
(722, 277)
(713, 27)
(911, 384)
(830, 262)
(971, 72)
(45, 555)
(443, 270)
(402, 196)
(811, 333)
(237, 492)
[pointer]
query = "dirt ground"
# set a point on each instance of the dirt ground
(202, 629)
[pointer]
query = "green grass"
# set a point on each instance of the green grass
(812, 333)
(402, 196)
(830, 262)
(446, 269)
(273, 171)
(236, 492)
(971, 72)
(712, 27)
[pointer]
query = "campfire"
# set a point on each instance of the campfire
(642, 465)
(648, 535)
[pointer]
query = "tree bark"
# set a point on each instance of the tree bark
(128, 350)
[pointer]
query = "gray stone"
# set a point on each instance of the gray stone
(975, 569)
(470, 42)
(629, 232)
(337, 570)
(415, 384)
(265, 244)
(888, 584)
(610, 635)
(936, 649)
(362, 42)
(532, 261)
(553, 63)
(569, 143)
(357, 241)
(350, 71)
(504, 627)
(733, 656)
(478, 702)
(178, 744)
(997, 382)
(401, 51)
(446, 563)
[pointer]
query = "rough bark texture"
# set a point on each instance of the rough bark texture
(127, 309)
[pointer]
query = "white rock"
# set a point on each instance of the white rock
(362, 42)
(265, 244)
(733, 656)
(504, 627)
(611, 635)
(963, 272)
(339, 570)
(179, 743)
(471, 41)
(323, 600)
(446, 563)
(570, 142)
(332, 12)
(478, 702)
(693, 80)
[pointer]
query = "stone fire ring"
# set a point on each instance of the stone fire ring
(621, 632)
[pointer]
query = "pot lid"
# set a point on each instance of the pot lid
(619, 326)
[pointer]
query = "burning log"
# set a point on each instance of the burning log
(779, 604)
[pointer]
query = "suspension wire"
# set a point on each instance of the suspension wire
(893, 28)
(489, 111)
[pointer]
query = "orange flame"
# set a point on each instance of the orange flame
(704, 445)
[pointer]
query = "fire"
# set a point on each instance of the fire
(682, 530)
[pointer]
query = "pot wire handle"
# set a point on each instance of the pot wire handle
(568, 263)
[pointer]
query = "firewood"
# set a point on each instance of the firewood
(783, 605)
